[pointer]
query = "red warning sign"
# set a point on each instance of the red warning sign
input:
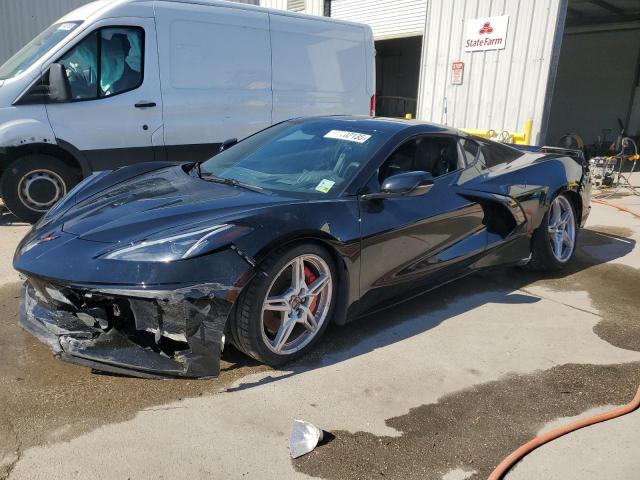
(457, 73)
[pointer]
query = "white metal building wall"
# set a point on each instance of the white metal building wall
(502, 88)
(311, 7)
(387, 18)
(21, 20)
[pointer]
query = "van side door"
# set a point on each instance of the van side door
(319, 68)
(215, 68)
(114, 116)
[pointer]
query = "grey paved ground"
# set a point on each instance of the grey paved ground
(444, 386)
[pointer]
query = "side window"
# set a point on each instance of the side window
(470, 150)
(106, 63)
(436, 155)
(496, 153)
(81, 64)
(400, 161)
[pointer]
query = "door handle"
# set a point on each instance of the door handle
(145, 104)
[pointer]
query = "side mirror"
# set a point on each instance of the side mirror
(230, 142)
(59, 87)
(409, 184)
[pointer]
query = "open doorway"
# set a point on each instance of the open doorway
(397, 75)
(597, 89)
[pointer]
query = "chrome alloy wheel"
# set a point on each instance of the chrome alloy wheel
(562, 228)
(297, 304)
(39, 190)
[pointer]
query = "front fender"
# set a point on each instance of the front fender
(17, 133)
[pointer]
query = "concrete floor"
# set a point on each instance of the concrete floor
(441, 387)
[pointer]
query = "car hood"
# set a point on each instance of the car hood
(157, 201)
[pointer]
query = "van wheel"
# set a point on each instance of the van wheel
(34, 183)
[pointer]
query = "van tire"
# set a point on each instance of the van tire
(32, 184)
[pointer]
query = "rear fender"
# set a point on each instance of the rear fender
(533, 185)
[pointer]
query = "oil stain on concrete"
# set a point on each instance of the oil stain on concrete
(614, 288)
(45, 400)
(473, 429)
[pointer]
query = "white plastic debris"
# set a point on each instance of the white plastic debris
(304, 438)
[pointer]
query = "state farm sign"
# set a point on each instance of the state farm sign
(489, 33)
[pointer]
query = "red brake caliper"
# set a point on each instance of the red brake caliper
(310, 277)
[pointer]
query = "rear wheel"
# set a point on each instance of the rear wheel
(554, 242)
(280, 316)
(34, 183)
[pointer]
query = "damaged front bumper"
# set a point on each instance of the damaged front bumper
(146, 333)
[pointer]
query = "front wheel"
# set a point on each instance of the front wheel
(282, 314)
(32, 184)
(554, 242)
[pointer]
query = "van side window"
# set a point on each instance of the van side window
(436, 155)
(118, 69)
(81, 65)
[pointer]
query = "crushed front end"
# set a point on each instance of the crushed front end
(139, 332)
(136, 271)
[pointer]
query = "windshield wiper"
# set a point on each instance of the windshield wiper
(231, 182)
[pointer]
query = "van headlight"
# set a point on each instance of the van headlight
(179, 246)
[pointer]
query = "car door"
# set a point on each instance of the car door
(414, 242)
(114, 117)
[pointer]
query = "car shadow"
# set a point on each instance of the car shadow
(597, 245)
(9, 219)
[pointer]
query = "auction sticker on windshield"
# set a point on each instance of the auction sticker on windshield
(348, 136)
(325, 185)
(67, 26)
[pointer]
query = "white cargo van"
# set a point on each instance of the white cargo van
(124, 81)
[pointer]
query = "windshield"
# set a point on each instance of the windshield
(307, 157)
(36, 48)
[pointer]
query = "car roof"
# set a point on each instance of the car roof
(391, 125)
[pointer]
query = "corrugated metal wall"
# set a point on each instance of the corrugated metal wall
(21, 20)
(387, 18)
(502, 88)
(311, 7)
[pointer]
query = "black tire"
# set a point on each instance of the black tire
(542, 256)
(33, 183)
(246, 325)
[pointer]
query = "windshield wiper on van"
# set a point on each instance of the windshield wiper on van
(231, 182)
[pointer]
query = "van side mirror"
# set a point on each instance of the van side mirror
(408, 184)
(230, 142)
(59, 86)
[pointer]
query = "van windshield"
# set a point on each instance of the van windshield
(36, 48)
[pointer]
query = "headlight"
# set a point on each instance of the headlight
(176, 247)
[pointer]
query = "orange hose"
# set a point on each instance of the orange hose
(531, 445)
(528, 447)
(619, 207)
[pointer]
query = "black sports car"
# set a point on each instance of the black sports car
(149, 269)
